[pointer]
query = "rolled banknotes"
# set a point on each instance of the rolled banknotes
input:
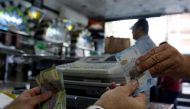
(52, 80)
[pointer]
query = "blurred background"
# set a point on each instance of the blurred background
(36, 34)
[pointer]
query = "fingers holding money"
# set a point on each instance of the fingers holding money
(129, 88)
(52, 84)
(152, 58)
(163, 60)
(40, 98)
(152, 52)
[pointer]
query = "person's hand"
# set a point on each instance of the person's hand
(164, 60)
(121, 98)
(29, 99)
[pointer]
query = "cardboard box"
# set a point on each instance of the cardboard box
(114, 45)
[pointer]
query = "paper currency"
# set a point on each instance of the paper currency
(127, 59)
(51, 80)
(145, 83)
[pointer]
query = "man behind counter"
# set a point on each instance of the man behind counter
(140, 33)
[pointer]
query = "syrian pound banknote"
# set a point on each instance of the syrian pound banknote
(52, 80)
(127, 60)
(145, 83)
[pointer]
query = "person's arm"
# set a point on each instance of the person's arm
(29, 99)
(121, 98)
(187, 66)
(165, 60)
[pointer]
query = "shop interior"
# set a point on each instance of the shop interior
(80, 38)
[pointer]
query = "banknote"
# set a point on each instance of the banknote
(127, 60)
(145, 83)
(52, 80)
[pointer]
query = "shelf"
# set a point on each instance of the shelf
(38, 57)
(35, 40)
(8, 50)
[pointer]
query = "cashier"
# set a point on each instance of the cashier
(140, 33)
(164, 60)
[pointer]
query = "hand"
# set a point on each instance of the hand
(164, 60)
(29, 99)
(120, 98)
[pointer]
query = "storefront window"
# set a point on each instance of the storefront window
(179, 32)
(175, 29)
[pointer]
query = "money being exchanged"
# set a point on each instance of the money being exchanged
(52, 80)
(127, 59)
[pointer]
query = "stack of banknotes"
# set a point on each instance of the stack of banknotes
(51, 80)
(127, 60)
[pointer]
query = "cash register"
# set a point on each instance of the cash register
(87, 79)
(96, 68)
(97, 71)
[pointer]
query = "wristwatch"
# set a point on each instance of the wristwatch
(95, 107)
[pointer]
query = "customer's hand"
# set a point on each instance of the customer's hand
(29, 99)
(120, 98)
(165, 60)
